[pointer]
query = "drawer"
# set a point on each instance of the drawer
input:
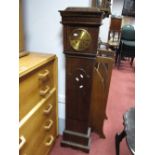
(47, 143)
(35, 86)
(37, 132)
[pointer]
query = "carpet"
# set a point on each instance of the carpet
(121, 98)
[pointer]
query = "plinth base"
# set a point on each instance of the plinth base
(77, 140)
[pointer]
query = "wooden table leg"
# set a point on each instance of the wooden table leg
(118, 139)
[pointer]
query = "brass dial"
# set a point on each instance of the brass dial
(80, 39)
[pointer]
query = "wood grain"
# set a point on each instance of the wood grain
(34, 127)
(33, 61)
(100, 89)
(38, 126)
(79, 71)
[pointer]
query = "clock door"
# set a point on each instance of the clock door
(81, 41)
(78, 92)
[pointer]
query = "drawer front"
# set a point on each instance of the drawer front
(33, 87)
(39, 132)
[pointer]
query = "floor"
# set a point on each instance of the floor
(121, 98)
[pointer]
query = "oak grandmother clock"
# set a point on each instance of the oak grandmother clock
(80, 41)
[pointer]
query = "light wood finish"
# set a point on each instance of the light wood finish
(33, 61)
(36, 124)
(32, 87)
(23, 53)
(100, 89)
(38, 113)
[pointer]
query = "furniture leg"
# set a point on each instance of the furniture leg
(118, 139)
(116, 57)
(131, 62)
(119, 61)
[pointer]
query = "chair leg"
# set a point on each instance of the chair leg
(118, 139)
(119, 61)
(131, 62)
(116, 57)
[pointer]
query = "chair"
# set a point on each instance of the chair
(127, 44)
(114, 32)
(128, 131)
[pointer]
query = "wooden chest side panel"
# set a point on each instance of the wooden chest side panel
(78, 90)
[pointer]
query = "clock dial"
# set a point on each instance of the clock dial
(80, 39)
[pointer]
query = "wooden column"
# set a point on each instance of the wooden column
(80, 41)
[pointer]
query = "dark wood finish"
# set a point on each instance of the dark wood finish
(78, 92)
(115, 23)
(79, 74)
(128, 132)
(86, 18)
(118, 139)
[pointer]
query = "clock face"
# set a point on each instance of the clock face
(80, 39)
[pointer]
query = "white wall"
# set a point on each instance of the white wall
(43, 33)
(117, 7)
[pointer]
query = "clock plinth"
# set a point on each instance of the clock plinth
(80, 40)
(77, 140)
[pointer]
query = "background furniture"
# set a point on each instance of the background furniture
(80, 38)
(22, 51)
(37, 103)
(114, 32)
(128, 8)
(127, 44)
(100, 89)
(129, 131)
(103, 5)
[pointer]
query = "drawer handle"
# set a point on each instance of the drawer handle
(47, 111)
(44, 92)
(43, 75)
(50, 123)
(22, 142)
(49, 142)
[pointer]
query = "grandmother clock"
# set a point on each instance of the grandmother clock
(80, 41)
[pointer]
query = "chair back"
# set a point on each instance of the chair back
(128, 33)
(114, 30)
(115, 23)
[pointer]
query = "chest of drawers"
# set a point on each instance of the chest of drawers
(37, 103)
